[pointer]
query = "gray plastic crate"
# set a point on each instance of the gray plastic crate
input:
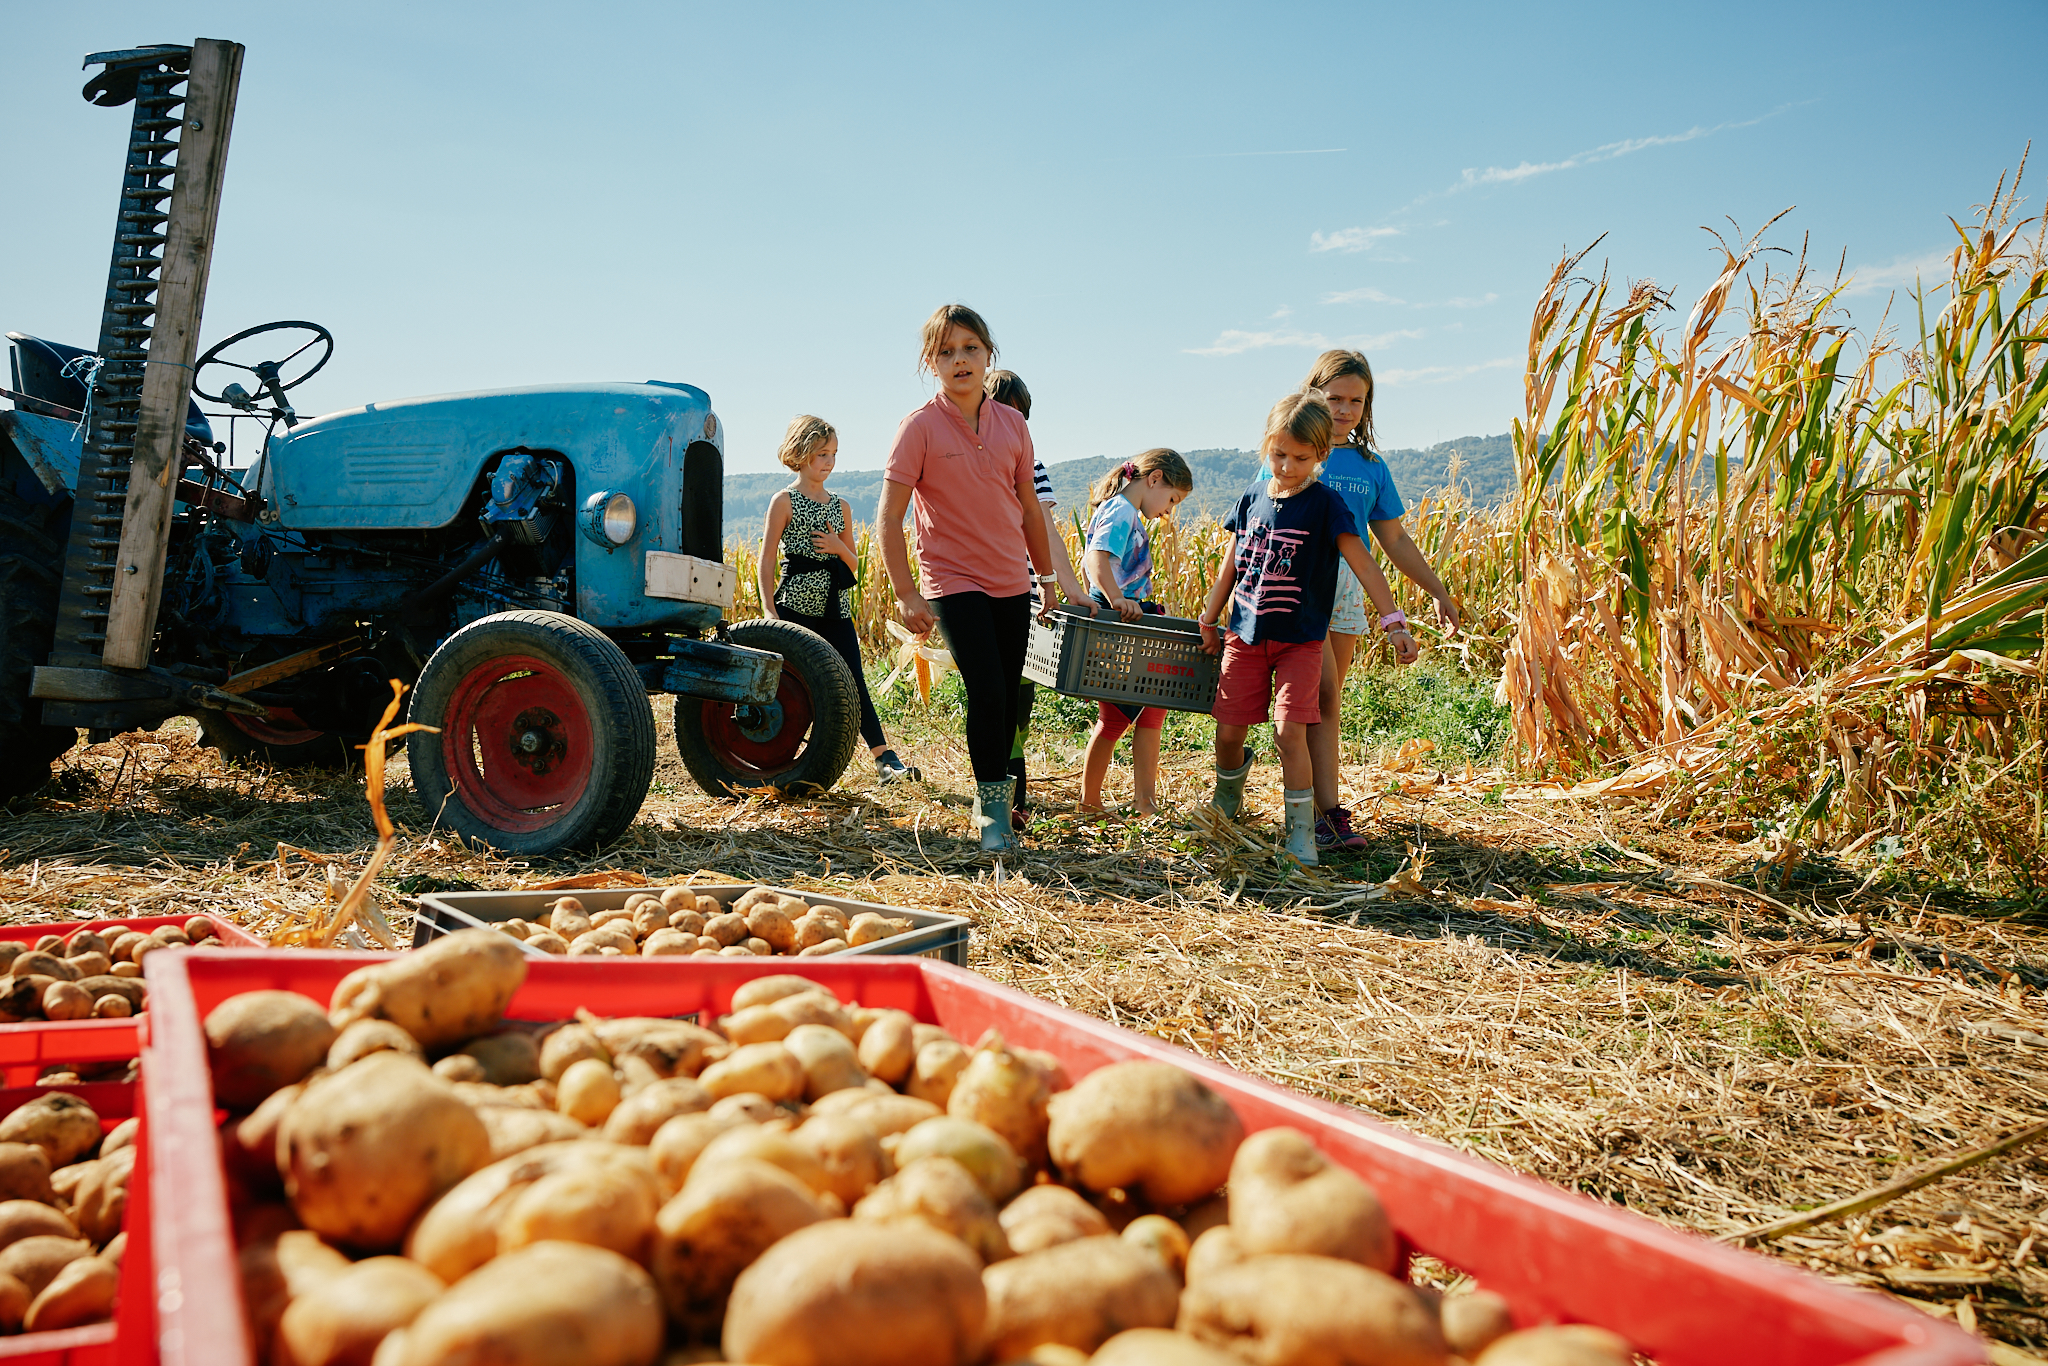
(944, 937)
(1156, 662)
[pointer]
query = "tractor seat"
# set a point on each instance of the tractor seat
(37, 368)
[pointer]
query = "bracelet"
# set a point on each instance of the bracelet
(1393, 619)
(1046, 578)
(1204, 621)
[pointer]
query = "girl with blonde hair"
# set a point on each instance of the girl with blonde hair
(1278, 583)
(813, 530)
(1355, 473)
(1118, 562)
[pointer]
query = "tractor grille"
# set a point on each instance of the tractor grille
(115, 401)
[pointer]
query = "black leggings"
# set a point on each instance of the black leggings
(987, 637)
(841, 637)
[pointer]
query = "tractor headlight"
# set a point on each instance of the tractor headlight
(609, 518)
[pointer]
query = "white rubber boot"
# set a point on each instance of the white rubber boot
(1230, 787)
(1301, 823)
(992, 814)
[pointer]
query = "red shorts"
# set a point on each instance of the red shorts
(1286, 674)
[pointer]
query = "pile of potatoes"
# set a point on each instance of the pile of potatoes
(63, 1195)
(679, 922)
(94, 973)
(413, 1181)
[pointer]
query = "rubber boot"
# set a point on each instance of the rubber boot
(1021, 802)
(992, 814)
(1230, 787)
(1301, 823)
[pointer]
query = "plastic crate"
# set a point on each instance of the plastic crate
(127, 1340)
(27, 1048)
(931, 935)
(1156, 662)
(1555, 1255)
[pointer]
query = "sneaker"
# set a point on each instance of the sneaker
(890, 769)
(1333, 830)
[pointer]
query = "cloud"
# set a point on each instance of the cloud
(1439, 374)
(1463, 302)
(1234, 342)
(1902, 273)
(1349, 239)
(1281, 312)
(1368, 295)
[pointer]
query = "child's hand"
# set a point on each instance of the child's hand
(1212, 639)
(826, 543)
(1128, 610)
(1404, 645)
(916, 613)
(1447, 614)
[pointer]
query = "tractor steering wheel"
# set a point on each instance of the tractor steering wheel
(269, 373)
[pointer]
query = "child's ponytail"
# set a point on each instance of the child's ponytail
(1166, 462)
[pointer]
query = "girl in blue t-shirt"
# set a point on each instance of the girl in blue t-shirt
(1355, 473)
(1118, 563)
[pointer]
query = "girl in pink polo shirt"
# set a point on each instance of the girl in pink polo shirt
(963, 465)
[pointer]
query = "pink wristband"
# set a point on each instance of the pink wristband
(1393, 619)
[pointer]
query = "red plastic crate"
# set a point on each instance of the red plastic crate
(27, 1048)
(127, 1340)
(1555, 1255)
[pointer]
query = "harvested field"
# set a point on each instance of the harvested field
(1604, 1002)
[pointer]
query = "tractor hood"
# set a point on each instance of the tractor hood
(410, 463)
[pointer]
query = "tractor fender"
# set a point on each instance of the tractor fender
(50, 446)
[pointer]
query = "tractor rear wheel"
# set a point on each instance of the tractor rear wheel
(798, 744)
(31, 561)
(546, 737)
(279, 740)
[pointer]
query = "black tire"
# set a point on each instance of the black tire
(32, 534)
(732, 750)
(546, 740)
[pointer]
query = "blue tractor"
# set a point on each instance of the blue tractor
(536, 563)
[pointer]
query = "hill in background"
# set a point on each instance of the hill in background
(1486, 467)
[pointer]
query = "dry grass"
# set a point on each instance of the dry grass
(1592, 999)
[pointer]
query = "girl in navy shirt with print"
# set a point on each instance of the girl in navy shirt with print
(1279, 583)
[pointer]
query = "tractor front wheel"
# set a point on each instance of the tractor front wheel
(546, 738)
(797, 744)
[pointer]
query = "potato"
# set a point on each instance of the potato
(21, 999)
(121, 1136)
(1206, 1215)
(101, 1199)
(1286, 1196)
(772, 1144)
(1145, 1127)
(569, 926)
(136, 991)
(112, 1007)
(62, 1125)
(127, 970)
(1159, 1347)
(341, 1322)
(641, 1115)
(65, 1180)
(261, 1040)
(515, 1128)
(674, 1048)
(724, 1218)
(365, 1037)
(91, 964)
(605, 936)
(82, 1292)
(762, 991)
(85, 941)
(551, 1302)
(14, 1303)
(675, 899)
(275, 1269)
(666, 943)
(679, 1142)
(812, 930)
(461, 1069)
(66, 1001)
(855, 1294)
(689, 924)
(934, 1071)
(1079, 1294)
(1572, 1344)
(601, 1204)
(1160, 1237)
(1046, 1216)
(988, 1159)
(50, 943)
(547, 941)
(766, 1069)
(459, 1231)
(885, 1046)
(1001, 1091)
(40, 963)
(1216, 1250)
(820, 950)
(453, 989)
(749, 1106)
(764, 1024)
(771, 924)
(571, 1043)
(1472, 1321)
(36, 1260)
(515, 927)
(589, 1092)
(365, 1149)
(509, 1059)
(848, 1152)
(938, 1193)
(727, 929)
(249, 1145)
(886, 1114)
(21, 1219)
(828, 1059)
(1311, 1309)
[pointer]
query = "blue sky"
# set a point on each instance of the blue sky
(1163, 210)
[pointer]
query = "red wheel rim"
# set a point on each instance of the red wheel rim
(761, 741)
(282, 727)
(517, 743)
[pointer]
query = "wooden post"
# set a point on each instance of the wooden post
(173, 343)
